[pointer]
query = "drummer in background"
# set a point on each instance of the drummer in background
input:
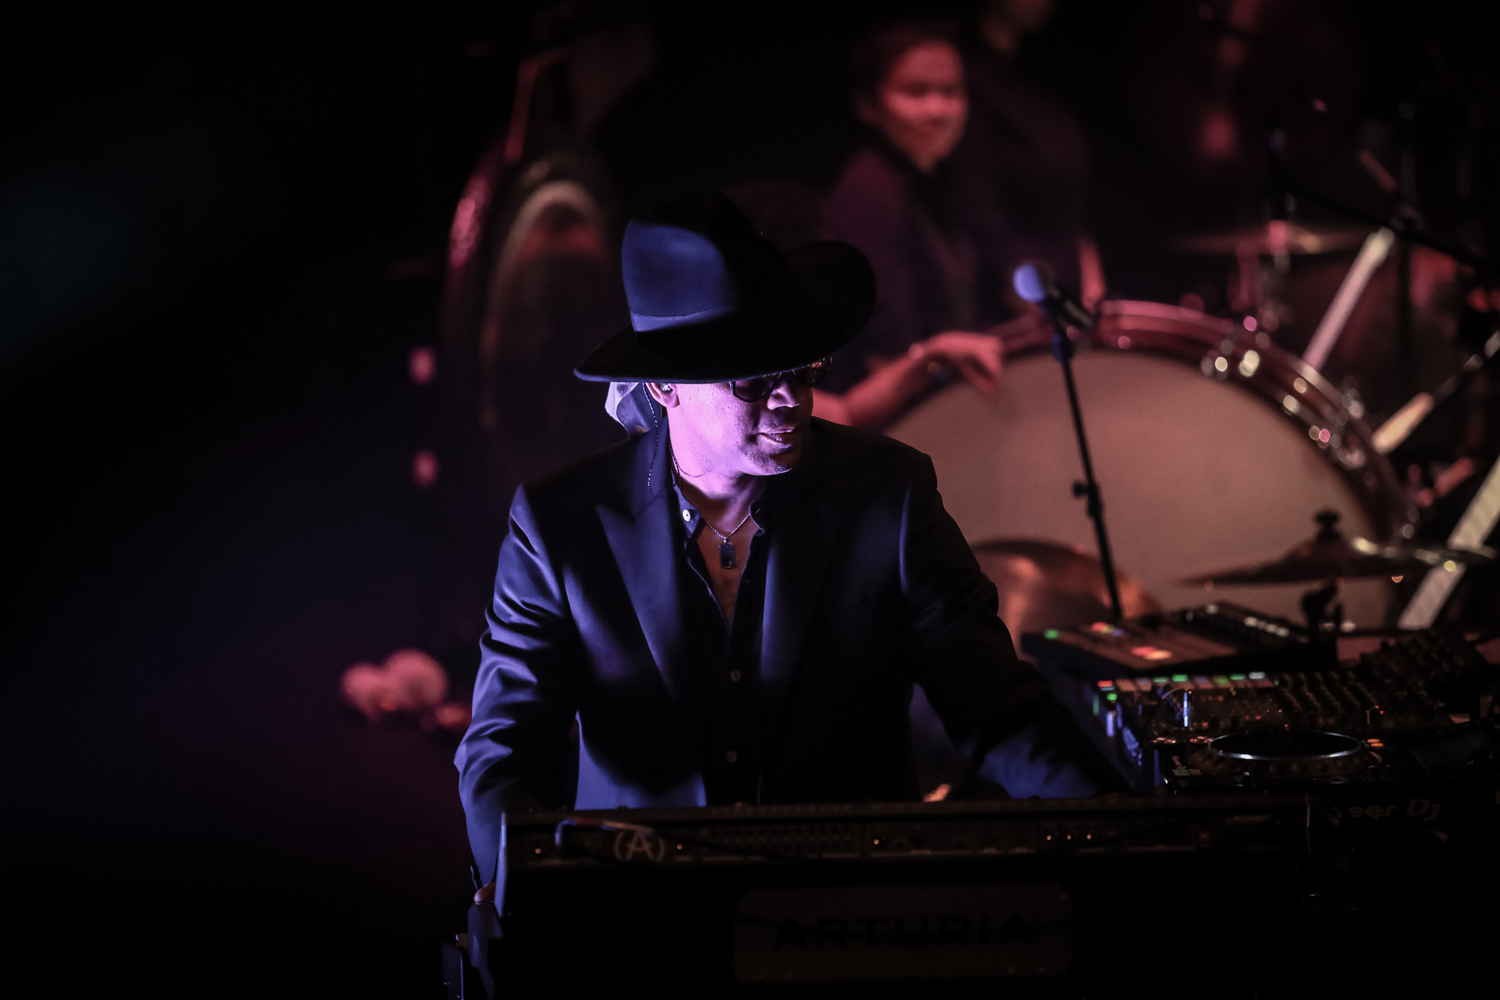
(899, 200)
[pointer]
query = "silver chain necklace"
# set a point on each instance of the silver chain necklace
(726, 547)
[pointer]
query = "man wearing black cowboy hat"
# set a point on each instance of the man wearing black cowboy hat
(735, 604)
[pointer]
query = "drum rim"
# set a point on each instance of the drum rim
(1157, 328)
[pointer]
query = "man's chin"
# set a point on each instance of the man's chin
(781, 461)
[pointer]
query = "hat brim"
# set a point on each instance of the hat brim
(840, 288)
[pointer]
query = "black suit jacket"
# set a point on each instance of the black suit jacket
(870, 588)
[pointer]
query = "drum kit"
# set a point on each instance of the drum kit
(1212, 446)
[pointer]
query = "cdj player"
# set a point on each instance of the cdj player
(1253, 717)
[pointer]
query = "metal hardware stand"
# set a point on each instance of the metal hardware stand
(1062, 349)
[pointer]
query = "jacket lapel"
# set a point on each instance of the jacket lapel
(645, 548)
(804, 535)
(807, 516)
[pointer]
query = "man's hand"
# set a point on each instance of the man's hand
(979, 357)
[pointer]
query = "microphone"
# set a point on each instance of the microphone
(1035, 282)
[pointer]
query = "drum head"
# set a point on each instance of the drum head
(1195, 469)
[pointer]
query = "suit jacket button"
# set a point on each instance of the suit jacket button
(731, 756)
(734, 675)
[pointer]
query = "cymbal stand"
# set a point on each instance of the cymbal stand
(1319, 610)
(1062, 350)
(1404, 422)
(1317, 604)
(1473, 528)
(1405, 227)
(1377, 247)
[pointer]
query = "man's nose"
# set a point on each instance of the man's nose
(787, 394)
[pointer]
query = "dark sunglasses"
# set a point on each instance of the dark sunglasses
(753, 390)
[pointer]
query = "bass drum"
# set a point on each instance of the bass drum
(1211, 447)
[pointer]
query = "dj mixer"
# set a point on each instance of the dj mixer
(1228, 687)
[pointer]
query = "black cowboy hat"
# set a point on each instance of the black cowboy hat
(711, 300)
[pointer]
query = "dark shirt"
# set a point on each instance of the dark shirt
(729, 656)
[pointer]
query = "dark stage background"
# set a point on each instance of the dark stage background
(219, 244)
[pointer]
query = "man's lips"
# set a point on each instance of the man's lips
(781, 435)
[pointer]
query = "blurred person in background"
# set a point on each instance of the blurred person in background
(900, 201)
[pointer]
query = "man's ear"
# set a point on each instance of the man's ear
(664, 393)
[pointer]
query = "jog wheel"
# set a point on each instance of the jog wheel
(1277, 756)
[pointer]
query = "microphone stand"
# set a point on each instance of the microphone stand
(1062, 350)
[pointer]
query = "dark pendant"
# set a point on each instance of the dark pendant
(726, 555)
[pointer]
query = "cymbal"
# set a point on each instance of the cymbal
(1270, 238)
(1329, 558)
(1046, 585)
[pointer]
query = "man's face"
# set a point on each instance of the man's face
(731, 436)
(921, 107)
